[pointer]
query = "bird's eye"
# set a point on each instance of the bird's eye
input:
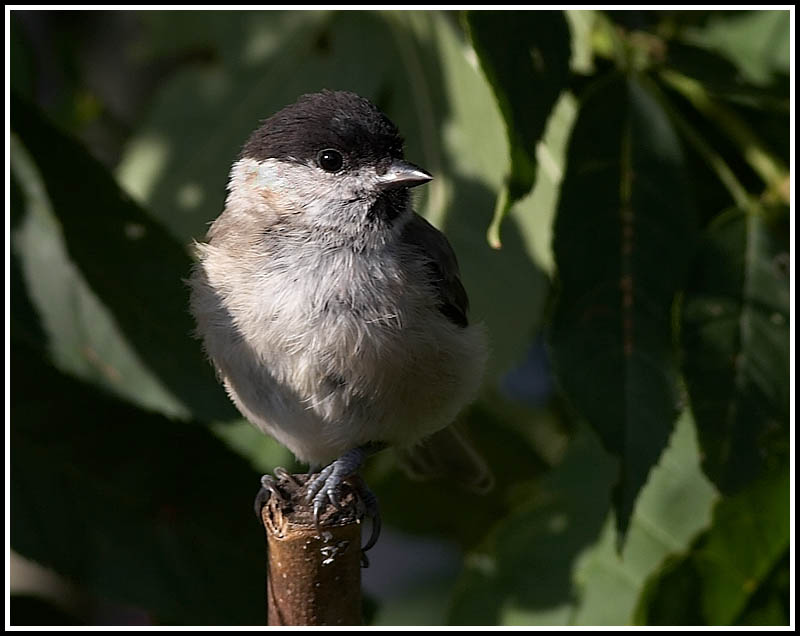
(330, 160)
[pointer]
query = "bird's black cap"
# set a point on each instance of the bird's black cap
(329, 119)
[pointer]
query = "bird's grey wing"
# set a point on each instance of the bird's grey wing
(442, 267)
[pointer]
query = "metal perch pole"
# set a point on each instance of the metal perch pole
(313, 574)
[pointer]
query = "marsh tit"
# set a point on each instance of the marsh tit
(333, 313)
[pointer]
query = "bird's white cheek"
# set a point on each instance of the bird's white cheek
(298, 185)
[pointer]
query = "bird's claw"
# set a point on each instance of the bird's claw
(269, 488)
(327, 487)
(369, 503)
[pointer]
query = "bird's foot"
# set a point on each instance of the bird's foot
(327, 485)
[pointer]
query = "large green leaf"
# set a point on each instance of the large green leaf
(728, 565)
(131, 505)
(622, 241)
(525, 56)
(674, 506)
(735, 340)
(525, 568)
(113, 302)
(417, 71)
(79, 334)
(553, 561)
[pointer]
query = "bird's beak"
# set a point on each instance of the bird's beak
(402, 174)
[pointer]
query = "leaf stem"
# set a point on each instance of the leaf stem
(500, 209)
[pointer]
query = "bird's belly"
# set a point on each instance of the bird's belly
(349, 353)
(346, 383)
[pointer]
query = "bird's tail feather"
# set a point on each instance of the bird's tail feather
(448, 453)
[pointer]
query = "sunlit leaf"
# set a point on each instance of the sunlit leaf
(553, 561)
(727, 565)
(674, 506)
(534, 213)
(525, 56)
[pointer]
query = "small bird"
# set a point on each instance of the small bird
(333, 313)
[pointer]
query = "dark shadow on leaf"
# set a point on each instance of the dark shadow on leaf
(130, 262)
(130, 504)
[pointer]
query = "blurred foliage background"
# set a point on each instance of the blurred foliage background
(616, 187)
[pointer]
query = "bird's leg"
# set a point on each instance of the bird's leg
(326, 486)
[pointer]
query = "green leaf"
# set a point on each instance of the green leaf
(553, 560)
(525, 56)
(757, 42)
(760, 158)
(729, 564)
(526, 566)
(418, 72)
(622, 241)
(133, 506)
(534, 214)
(735, 340)
(674, 506)
(107, 279)
(25, 325)
(720, 77)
